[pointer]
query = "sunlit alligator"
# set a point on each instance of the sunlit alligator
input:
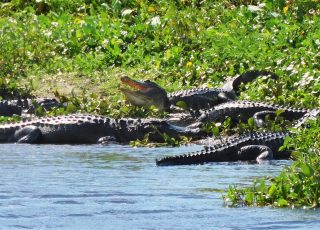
(90, 129)
(255, 146)
(26, 106)
(243, 110)
(147, 93)
(237, 111)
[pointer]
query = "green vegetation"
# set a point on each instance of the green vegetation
(167, 140)
(81, 47)
(76, 50)
(297, 185)
(9, 119)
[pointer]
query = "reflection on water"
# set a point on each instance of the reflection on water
(119, 187)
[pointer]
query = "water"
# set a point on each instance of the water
(119, 187)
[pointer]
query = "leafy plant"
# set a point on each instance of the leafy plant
(9, 119)
(296, 186)
(167, 141)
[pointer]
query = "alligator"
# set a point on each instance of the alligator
(74, 129)
(26, 106)
(243, 110)
(255, 146)
(9, 109)
(147, 93)
(90, 129)
(237, 111)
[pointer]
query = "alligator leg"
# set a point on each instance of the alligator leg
(223, 97)
(260, 117)
(29, 134)
(259, 153)
(181, 119)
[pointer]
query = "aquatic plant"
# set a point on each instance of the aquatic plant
(297, 185)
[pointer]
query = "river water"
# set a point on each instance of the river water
(119, 187)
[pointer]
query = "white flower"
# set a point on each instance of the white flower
(253, 8)
(126, 12)
(155, 21)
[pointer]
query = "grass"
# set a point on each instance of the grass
(76, 50)
(177, 43)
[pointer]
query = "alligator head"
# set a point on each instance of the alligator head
(145, 93)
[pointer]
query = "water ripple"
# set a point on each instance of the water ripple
(119, 187)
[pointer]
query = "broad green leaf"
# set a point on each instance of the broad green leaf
(215, 131)
(282, 202)
(306, 169)
(251, 122)
(272, 189)
(182, 104)
(249, 197)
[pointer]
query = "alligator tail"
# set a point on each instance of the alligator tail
(248, 76)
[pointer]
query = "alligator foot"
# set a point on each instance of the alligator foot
(259, 153)
(224, 97)
(29, 134)
(106, 140)
(180, 119)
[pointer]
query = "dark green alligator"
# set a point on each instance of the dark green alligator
(255, 146)
(91, 129)
(26, 105)
(147, 93)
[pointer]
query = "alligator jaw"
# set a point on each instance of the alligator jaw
(135, 96)
(134, 84)
(145, 93)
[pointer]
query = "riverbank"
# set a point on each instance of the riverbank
(83, 47)
(77, 51)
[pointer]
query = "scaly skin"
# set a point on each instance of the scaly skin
(243, 110)
(253, 146)
(229, 151)
(9, 109)
(248, 76)
(200, 98)
(20, 106)
(147, 93)
(90, 129)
